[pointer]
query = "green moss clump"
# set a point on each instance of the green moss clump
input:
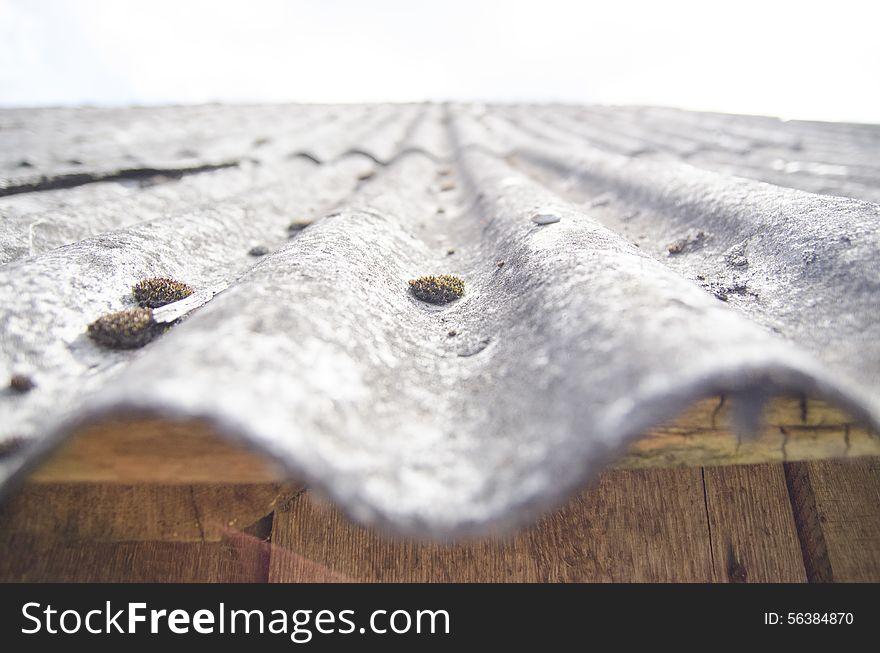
(128, 329)
(441, 289)
(158, 291)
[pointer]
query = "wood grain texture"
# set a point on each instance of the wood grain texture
(161, 451)
(836, 506)
(41, 559)
(640, 525)
(113, 532)
(753, 532)
(794, 429)
(117, 512)
(718, 524)
(155, 451)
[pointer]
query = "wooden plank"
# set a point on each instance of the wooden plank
(794, 429)
(732, 524)
(116, 512)
(641, 525)
(837, 511)
(83, 532)
(155, 451)
(162, 451)
(753, 532)
(43, 559)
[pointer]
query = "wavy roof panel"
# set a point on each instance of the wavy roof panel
(619, 263)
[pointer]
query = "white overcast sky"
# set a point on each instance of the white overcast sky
(792, 59)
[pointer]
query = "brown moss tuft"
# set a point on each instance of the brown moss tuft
(158, 291)
(128, 329)
(441, 289)
(21, 383)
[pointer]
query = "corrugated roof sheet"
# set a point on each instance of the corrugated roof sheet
(619, 263)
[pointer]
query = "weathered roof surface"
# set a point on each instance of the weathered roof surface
(619, 264)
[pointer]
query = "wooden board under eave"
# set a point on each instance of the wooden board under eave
(119, 512)
(162, 451)
(836, 506)
(155, 451)
(753, 535)
(725, 524)
(631, 526)
(732, 523)
(38, 559)
(794, 429)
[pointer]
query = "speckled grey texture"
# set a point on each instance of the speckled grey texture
(588, 334)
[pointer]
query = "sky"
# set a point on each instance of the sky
(789, 59)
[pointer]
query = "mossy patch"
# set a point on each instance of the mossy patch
(21, 383)
(128, 329)
(440, 289)
(158, 291)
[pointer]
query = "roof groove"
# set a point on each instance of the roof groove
(101, 212)
(805, 252)
(52, 148)
(331, 143)
(71, 286)
(859, 182)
